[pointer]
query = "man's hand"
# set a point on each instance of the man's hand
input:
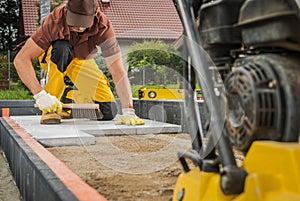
(129, 118)
(47, 103)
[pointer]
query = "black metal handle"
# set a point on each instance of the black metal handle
(215, 101)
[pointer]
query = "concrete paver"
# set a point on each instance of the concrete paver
(83, 131)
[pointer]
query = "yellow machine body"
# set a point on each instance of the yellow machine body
(160, 94)
(273, 175)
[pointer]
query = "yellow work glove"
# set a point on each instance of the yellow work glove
(129, 118)
(47, 103)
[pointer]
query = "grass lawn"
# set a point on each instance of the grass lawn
(24, 94)
(16, 94)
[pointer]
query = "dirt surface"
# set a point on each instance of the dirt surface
(128, 168)
(121, 168)
(131, 167)
(8, 189)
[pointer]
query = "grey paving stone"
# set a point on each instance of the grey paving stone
(65, 134)
(83, 131)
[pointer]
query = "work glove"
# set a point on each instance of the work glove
(47, 103)
(129, 118)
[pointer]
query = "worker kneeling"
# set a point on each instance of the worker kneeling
(65, 45)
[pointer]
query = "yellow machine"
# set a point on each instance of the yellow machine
(160, 94)
(246, 57)
(165, 94)
(273, 175)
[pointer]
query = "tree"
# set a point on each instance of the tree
(9, 11)
(52, 6)
(155, 53)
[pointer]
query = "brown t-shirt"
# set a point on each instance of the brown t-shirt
(100, 34)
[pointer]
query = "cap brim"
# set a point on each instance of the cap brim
(79, 20)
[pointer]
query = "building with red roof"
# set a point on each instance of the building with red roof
(133, 20)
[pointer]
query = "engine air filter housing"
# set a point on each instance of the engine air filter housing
(261, 103)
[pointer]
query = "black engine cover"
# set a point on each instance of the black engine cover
(263, 99)
(270, 23)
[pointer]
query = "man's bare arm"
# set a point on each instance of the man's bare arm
(120, 79)
(24, 67)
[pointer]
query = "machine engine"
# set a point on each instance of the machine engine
(255, 45)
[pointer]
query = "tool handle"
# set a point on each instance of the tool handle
(78, 105)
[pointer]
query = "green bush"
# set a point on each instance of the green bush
(155, 53)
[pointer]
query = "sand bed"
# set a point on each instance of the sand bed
(130, 167)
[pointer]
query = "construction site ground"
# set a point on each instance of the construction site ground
(128, 168)
(139, 164)
(8, 189)
(124, 178)
(121, 163)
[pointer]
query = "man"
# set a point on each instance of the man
(65, 45)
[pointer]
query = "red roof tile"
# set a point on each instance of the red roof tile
(132, 19)
(30, 16)
(144, 18)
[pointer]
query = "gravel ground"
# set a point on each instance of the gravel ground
(8, 189)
